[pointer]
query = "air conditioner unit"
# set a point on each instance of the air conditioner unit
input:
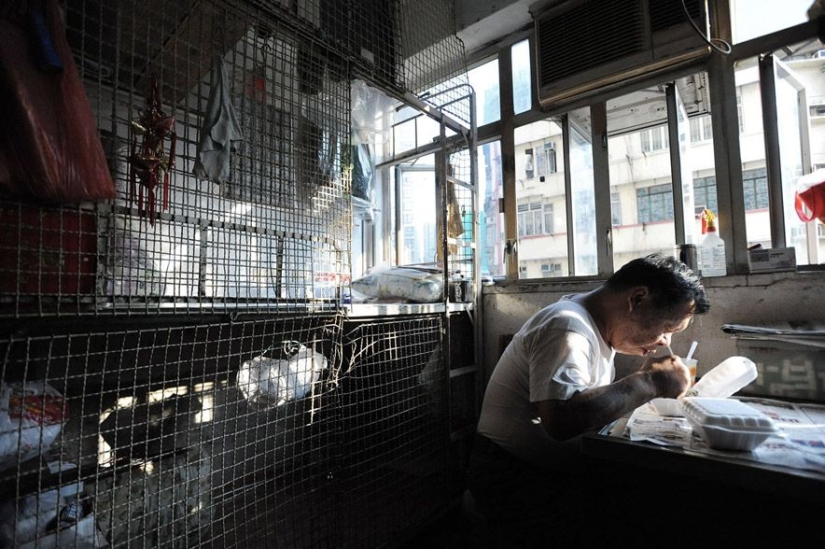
(586, 46)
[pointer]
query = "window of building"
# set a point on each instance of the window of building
(534, 218)
(654, 139)
(655, 203)
(546, 159)
(704, 192)
(548, 219)
(700, 129)
(550, 269)
(755, 187)
(529, 171)
(615, 209)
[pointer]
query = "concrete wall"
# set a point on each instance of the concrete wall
(762, 300)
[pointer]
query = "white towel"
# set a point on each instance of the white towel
(220, 129)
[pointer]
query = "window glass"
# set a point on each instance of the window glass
(491, 234)
(417, 209)
(751, 144)
(792, 122)
(484, 80)
(522, 96)
(640, 176)
(540, 199)
(582, 182)
(754, 18)
(799, 83)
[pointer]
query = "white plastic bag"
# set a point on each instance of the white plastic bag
(272, 382)
(408, 283)
(31, 416)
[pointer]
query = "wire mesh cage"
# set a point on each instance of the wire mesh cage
(176, 371)
(168, 437)
(225, 128)
(395, 411)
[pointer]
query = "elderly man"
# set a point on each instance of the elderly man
(555, 381)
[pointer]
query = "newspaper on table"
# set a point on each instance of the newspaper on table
(800, 443)
(810, 334)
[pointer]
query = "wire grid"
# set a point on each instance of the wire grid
(462, 246)
(435, 66)
(189, 460)
(157, 437)
(394, 412)
(274, 231)
(171, 437)
(266, 229)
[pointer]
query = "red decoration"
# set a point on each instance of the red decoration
(147, 159)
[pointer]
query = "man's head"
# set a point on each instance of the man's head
(657, 296)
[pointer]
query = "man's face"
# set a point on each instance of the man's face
(647, 329)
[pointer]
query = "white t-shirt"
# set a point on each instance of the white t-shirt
(557, 353)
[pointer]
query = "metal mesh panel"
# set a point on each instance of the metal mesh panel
(262, 223)
(269, 228)
(434, 64)
(216, 435)
(141, 404)
(395, 416)
(462, 245)
(174, 437)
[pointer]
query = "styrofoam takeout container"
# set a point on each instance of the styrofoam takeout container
(728, 424)
(668, 406)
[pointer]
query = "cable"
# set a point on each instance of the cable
(726, 47)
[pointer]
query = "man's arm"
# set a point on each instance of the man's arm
(594, 408)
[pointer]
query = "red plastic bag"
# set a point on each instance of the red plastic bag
(49, 146)
(810, 196)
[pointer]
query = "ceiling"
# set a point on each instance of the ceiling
(483, 22)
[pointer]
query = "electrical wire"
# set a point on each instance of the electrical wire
(725, 48)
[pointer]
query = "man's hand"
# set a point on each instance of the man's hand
(669, 375)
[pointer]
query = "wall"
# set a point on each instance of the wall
(761, 299)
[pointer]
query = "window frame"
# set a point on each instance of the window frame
(726, 125)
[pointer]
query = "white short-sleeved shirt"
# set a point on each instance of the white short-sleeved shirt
(557, 353)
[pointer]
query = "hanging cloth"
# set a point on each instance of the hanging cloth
(455, 227)
(49, 145)
(220, 129)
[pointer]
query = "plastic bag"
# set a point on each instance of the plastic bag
(363, 171)
(129, 270)
(31, 416)
(49, 145)
(53, 518)
(414, 284)
(810, 196)
(272, 382)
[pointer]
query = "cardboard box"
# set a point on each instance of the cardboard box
(772, 259)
